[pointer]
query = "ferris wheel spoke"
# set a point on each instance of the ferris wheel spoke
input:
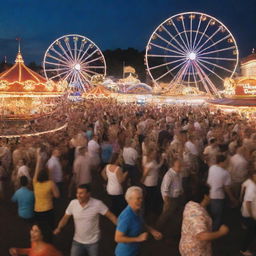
(189, 67)
(202, 79)
(208, 39)
(194, 76)
(75, 47)
(85, 52)
(220, 50)
(186, 36)
(85, 78)
(69, 49)
(210, 46)
(56, 69)
(63, 50)
(81, 83)
(55, 64)
(60, 74)
(87, 62)
(89, 71)
(217, 58)
(96, 67)
(55, 58)
(59, 54)
(179, 34)
(90, 55)
(165, 64)
(81, 48)
(66, 76)
(181, 49)
(167, 49)
(170, 70)
(202, 35)
(178, 76)
(214, 89)
(204, 66)
(163, 56)
(197, 32)
(191, 33)
(216, 65)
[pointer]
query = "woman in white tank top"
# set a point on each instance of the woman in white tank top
(150, 179)
(112, 173)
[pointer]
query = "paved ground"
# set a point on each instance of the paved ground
(15, 233)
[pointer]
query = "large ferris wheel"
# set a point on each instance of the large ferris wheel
(75, 59)
(192, 49)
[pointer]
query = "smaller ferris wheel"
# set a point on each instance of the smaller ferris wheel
(75, 59)
(192, 49)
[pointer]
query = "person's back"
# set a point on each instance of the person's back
(216, 179)
(43, 195)
(113, 186)
(25, 199)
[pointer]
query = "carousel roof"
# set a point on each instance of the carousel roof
(21, 79)
(97, 92)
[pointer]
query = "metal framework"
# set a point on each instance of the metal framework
(192, 49)
(74, 58)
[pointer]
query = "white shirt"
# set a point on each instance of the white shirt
(86, 220)
(217, 179)
(81, 168)
(23, 171)
(151, 179)
(130, 156)
(238, 168)
(93, 148)
(55, 168)
(113, 186)
(172, 184)
(249, 196)
(191, 147)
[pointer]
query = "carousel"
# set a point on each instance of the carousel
(98, 92)
(27, 99)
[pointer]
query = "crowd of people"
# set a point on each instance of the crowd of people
(156, 165)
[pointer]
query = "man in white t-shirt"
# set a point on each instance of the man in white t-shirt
(249, 214)
(130, 156)
(94, 152)
(238, 168)
(219, 181)
(85, 211)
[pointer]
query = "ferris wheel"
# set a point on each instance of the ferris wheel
(75, 59)
(192, 49)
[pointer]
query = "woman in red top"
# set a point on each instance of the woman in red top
(40, 236)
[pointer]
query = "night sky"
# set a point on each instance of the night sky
(110, 23)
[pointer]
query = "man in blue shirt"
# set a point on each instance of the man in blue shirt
(25, 199)
(131, 230)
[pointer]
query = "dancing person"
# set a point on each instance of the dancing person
(25, 199)
(131, 230)
(197, 234)
(40, 237)
(85, 211)
(115, 177)
(45, 190)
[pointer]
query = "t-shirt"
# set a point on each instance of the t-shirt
(130, 155)
(132, 225)
(249, 196)
(25, 199)
(217, 179)
(86, 220)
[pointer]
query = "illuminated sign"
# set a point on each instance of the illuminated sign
(248, 88)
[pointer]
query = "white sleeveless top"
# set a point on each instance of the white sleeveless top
(114, 188)
(151, 179)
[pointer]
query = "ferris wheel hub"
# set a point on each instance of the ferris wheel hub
(77, 67)
(192, 55)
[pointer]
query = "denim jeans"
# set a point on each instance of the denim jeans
(79, 249)
(217, 208)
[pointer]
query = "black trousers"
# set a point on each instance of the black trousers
(250, 233)
(46, 217)
(117, 204)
